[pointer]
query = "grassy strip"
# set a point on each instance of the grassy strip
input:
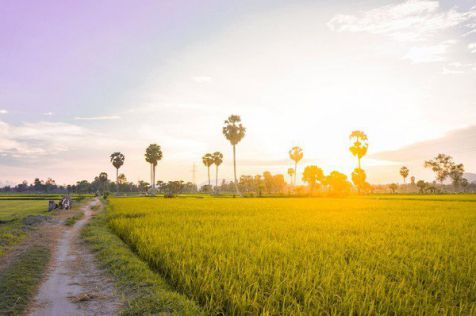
(144, 291)
(19, 281)
(73, 219)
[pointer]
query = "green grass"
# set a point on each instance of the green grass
(144, 291)
(70, 221)
(19, 281)
(11, 215)
(364, 255)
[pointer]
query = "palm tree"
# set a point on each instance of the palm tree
(291, 174)
(117, 160)
(296, 155)
(313, 175)
(208, 160)
(153, 154)
(217, 160)
(359, 146)
(404, 171)
(234, 132)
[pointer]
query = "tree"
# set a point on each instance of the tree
(337, 182)
(412, 180)
(217, 160)
(291, 174)
(207, 160)
(117, 160)
(456, 174)
(441, 165)
(393, 187)
(359, 146)
(103, 179)
(234, 132)
(359, 179)
(421, 186)
(313, 175)
(153, 154)
(404, 171)
(296, 154)
(464, 184)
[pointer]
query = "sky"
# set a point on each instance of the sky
(82, 79)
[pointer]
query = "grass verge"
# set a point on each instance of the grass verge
(19, 281)
(144, 291)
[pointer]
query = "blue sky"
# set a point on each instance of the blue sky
(82, 79)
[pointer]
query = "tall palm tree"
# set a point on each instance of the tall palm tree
(291, 174)
(234, 131)
(296, 155)
(217, 160)
(208, 160)
(359, 146)
(404, 171)
(117, 160)
(153, 154)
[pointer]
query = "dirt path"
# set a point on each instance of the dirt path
(74, 285)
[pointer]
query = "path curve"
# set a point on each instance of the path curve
(75, 285)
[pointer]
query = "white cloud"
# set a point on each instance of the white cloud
(472, 47)
(3, 111)
(38, 139)
(202, 79)
(428, 54)
(98, 118)
(48, 114)
(412, 20)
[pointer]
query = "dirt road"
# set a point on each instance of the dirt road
(74, 284)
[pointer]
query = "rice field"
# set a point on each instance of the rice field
(376, 255)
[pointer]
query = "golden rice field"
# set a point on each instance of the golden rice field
(403, 255)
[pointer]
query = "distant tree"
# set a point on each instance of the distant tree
(359, 179)
(404, 171)
(421, 186)
(143, 186)
(338, 182)
(121, 179)
(393, 187)
(296, 154)
(441, 166)
(153, 154)
(217, 160)
(103, 179)
(291, 174)
(208, 160)
(234, 132)
(412, 180)
(464, 184)
(313, 175)
(117, 160)
(456, 174)
(359, 146)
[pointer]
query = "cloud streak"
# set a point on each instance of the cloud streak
(98, 118)
(413, 20)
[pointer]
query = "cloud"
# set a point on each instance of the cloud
(3, 111)
(30, 140)
(428, 54)
(412, 20)
(48, 114)
(202, 79)
(472, 47)
(98, 118)
(460, 142)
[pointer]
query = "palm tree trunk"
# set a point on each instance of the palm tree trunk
(295, 172)
(216, 178)
(208, 175)
(234, 170)
(153, 177)
(117, 180)
(358, 158)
